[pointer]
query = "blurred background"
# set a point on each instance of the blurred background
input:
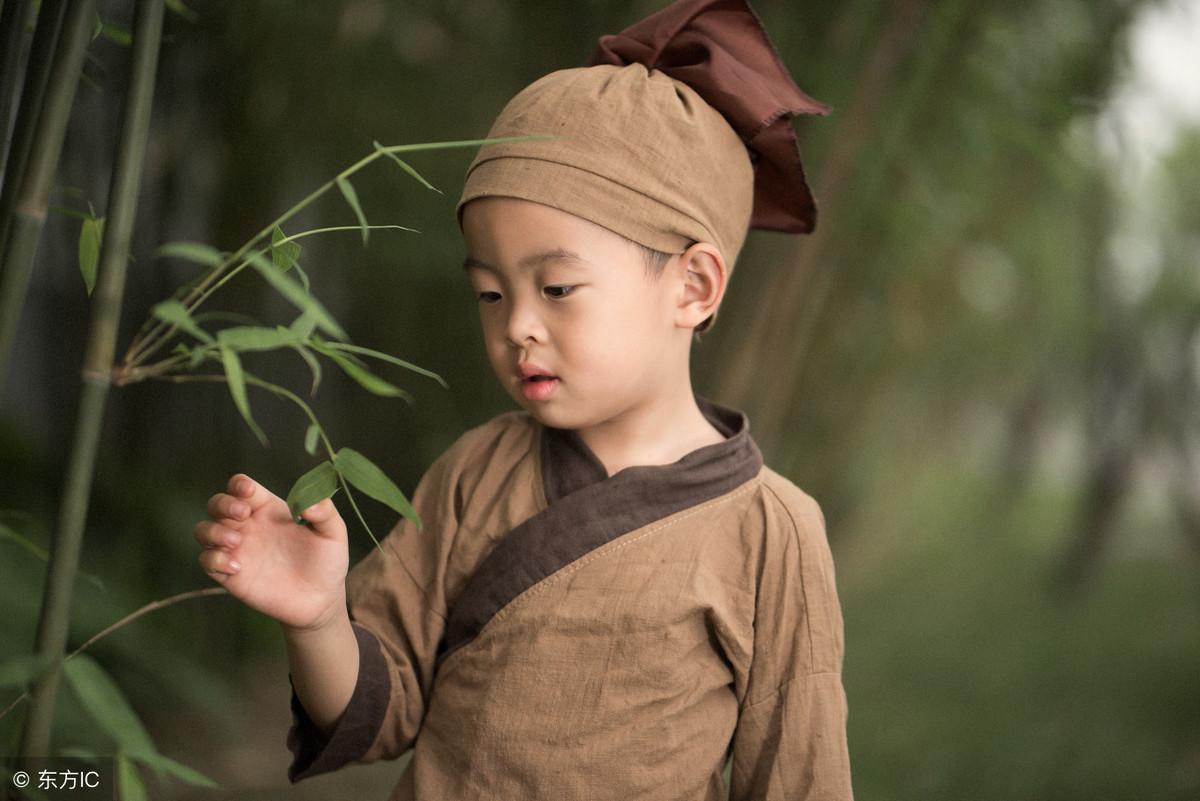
(984, 364)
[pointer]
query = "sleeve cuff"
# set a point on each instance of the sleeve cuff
(355, 731)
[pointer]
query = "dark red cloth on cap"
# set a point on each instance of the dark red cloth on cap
(720, 49)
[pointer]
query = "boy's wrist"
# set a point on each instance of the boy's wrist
(335, 618)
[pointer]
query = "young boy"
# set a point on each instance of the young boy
(612, 595)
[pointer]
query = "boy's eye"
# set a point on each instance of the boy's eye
(483, 296)
(566, 290)
(556, 292)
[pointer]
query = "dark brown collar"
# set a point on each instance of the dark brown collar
(587, 508)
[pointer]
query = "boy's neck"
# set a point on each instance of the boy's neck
(659, 432)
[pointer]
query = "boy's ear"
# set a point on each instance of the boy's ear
(704, 276)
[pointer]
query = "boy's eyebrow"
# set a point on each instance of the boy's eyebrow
(554, 254)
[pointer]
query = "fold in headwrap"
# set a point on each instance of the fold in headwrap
(720, 49)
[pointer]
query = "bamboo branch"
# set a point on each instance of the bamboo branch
(13, 15)
(34, 191)
(114, 257)
(37, 75)
(132, 616)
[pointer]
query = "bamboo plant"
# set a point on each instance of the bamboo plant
(33, 190)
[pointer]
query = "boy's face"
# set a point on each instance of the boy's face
(570, 297)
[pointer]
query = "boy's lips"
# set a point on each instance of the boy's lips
(528, 370)
(537, 383)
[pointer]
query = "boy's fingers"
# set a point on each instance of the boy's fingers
(211, 535)
(324, 518)
(216, 561)
(243, 487)
(223, 505)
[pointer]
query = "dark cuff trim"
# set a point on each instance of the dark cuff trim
(358, 726)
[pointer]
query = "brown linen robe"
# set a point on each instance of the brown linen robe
(558, 633)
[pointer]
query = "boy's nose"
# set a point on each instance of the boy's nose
(524, 324)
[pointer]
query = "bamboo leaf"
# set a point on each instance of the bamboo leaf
(313, 366)
(165, 765)
(38, 552)
(237, 388)
(352, 198)
(174, 312)
(249, 337)
(191, 251)
(303, 278)
(7, 533)
(105, 702)
(368, 380)
(283, 254)
(366, 476)
(179, 8)
(129, 782)
(404, 165)
(90, 235)
(310, 438)
(294, 293)
(314, 486)
(388, 358)
(116, 34)
(302, 327)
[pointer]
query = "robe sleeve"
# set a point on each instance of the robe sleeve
(790, 741)
(397, 605)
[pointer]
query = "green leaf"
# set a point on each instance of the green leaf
(191, 251)
(404, 165)
(7, 533)
(294, 293)
(21, 671)
(310, 438)
(165, 765)
(302, 327)
(352, 198)
(283, 254)
(364, 377)
(38, 552)
(237, 388)
(129, 782)
(303, 277)
(90, 235)
(179, 8)
(313, 365)
(105, 702)
(249, 337)
(116, 34)
(174, 312)
(387, 358)
(366, 475)
(314, 486)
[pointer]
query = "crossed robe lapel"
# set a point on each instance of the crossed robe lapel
(587, 508)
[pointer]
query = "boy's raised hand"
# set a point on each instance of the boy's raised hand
(285, 570)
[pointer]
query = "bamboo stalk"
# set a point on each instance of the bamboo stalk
(106, 312)
(37, 75)
(34, 192)
(13, 15)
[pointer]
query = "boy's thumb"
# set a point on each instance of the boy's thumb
(323, 516)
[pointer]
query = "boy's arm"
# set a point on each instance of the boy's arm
(324, 669)
(396, 616)
(790, 741)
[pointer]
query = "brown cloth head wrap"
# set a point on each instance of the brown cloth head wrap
(679, 129)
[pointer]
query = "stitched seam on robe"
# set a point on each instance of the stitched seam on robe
(777, 690)
(804, 588)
